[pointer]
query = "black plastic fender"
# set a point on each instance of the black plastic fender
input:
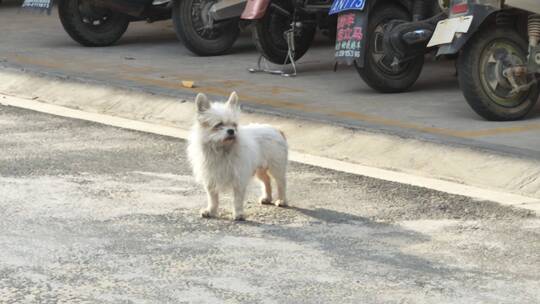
(360, 22)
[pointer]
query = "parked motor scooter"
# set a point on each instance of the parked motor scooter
(498, 43)
(206, 27)
(386, 39)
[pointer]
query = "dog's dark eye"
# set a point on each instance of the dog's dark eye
(219, 125)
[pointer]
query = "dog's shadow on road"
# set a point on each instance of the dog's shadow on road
(329, 216)
(322, 215)
(358, 242)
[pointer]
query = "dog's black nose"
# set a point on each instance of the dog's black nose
(230, 132)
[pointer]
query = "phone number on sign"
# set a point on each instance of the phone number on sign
(345, 53)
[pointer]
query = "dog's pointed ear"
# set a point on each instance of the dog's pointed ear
(233, 100)
(202, 102)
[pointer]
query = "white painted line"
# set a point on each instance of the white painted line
(95, 117)
(425, 182)
(388, 175)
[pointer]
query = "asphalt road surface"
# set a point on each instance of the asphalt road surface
(95, 214)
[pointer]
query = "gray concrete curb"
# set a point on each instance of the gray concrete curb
(506, 173)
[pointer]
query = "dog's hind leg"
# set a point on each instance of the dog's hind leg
(266, 183)
(213, 202)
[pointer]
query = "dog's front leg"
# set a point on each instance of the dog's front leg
(213, 202)
(238, 212)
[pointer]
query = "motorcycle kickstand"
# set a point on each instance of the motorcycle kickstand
(290, 58)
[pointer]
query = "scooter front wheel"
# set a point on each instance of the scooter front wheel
(378, 72)
(198, 33)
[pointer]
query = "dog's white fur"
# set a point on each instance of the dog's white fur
(221, 162)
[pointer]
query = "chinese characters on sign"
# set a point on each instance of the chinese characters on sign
(349, 39)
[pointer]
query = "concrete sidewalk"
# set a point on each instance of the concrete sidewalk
(150, 58)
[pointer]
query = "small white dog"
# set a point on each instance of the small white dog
(226, 156)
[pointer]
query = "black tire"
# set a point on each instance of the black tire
(475, 69)
(212, 42)
(377, 75)
(268, 34)
(87, 34)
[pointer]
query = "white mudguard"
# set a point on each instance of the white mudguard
(447, 29)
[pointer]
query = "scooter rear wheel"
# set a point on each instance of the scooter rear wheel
(483, 69)
(190, 18)
(269, 33)
(376, 73)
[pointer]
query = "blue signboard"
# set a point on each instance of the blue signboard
(347, 5)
